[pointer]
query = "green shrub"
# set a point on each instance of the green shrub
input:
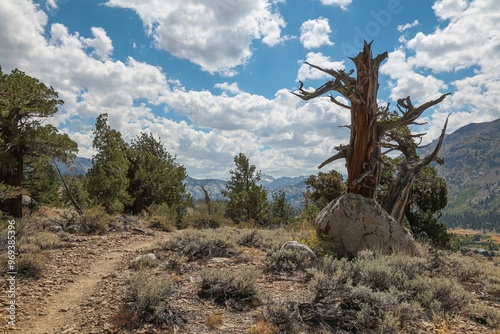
(221, 285)
(151, 298)
(443, 295)
(485, 315)
(250, 238)
(163, 216)
(200, 220)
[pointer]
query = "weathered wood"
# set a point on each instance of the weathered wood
(369, 125)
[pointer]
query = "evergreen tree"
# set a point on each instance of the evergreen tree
(78, 188)
(324, 188)
(154, 175)
(247, 199)
(25, 103)
(428, 199)
(42, 181)
(107, 179)
(280, 211)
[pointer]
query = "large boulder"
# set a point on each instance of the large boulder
(352, 223)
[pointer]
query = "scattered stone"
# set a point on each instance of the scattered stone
(149, 256)
(297, 246)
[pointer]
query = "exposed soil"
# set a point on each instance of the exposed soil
(75, 275)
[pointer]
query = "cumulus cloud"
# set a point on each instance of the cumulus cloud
(101, 43)
(282, 135)
(467, 40)
(216, 35)
(339, 3)
(317, 58)
(315, 33)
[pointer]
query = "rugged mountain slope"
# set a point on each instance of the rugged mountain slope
(472, 170)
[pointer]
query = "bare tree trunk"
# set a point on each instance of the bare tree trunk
(207, 200)
(78, 208)
(363, 156)
(396, 200)
(13, 177)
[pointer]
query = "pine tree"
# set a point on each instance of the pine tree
(247, 199)
(279, 210)
(154, 175)
(107, 179)
(324, 187)
(25, 103)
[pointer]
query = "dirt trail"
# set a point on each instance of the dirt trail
(56, 311)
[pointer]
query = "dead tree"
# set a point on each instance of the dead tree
(207, 200)
(369, 123)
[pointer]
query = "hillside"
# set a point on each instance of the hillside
(471, 171)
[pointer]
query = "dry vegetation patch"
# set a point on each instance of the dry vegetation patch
(242, 276)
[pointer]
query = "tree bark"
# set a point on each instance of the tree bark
(364, 153)
(396, 201)
(13, 176)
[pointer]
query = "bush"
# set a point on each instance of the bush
(162, 223)
(440, 294)
(196, 245)
(287, 261)
(221, 285)
(163, 216)
(485, 315)
(95, 220)
(31, 265)
(151, 297)
(41, 239)
(263, 327)
(214, 320)
(251, 238)
(199, 220)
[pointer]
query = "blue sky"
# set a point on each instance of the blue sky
(213, 78)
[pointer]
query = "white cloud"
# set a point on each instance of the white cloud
(281, 135)
(403, 27)
(449, 9)
(470, 38)
(340, 3)
(315, 33)
(217, 35)
(466, 40)
(317, 58)
(101, 43)
(405, 81)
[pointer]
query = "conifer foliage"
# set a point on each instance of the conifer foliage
(25, 103)
(107, 179)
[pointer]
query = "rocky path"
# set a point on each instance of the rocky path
(82, 286)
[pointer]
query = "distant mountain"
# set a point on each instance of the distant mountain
(293, 187)
(213, 187)
(79, 167)
(472, 170)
